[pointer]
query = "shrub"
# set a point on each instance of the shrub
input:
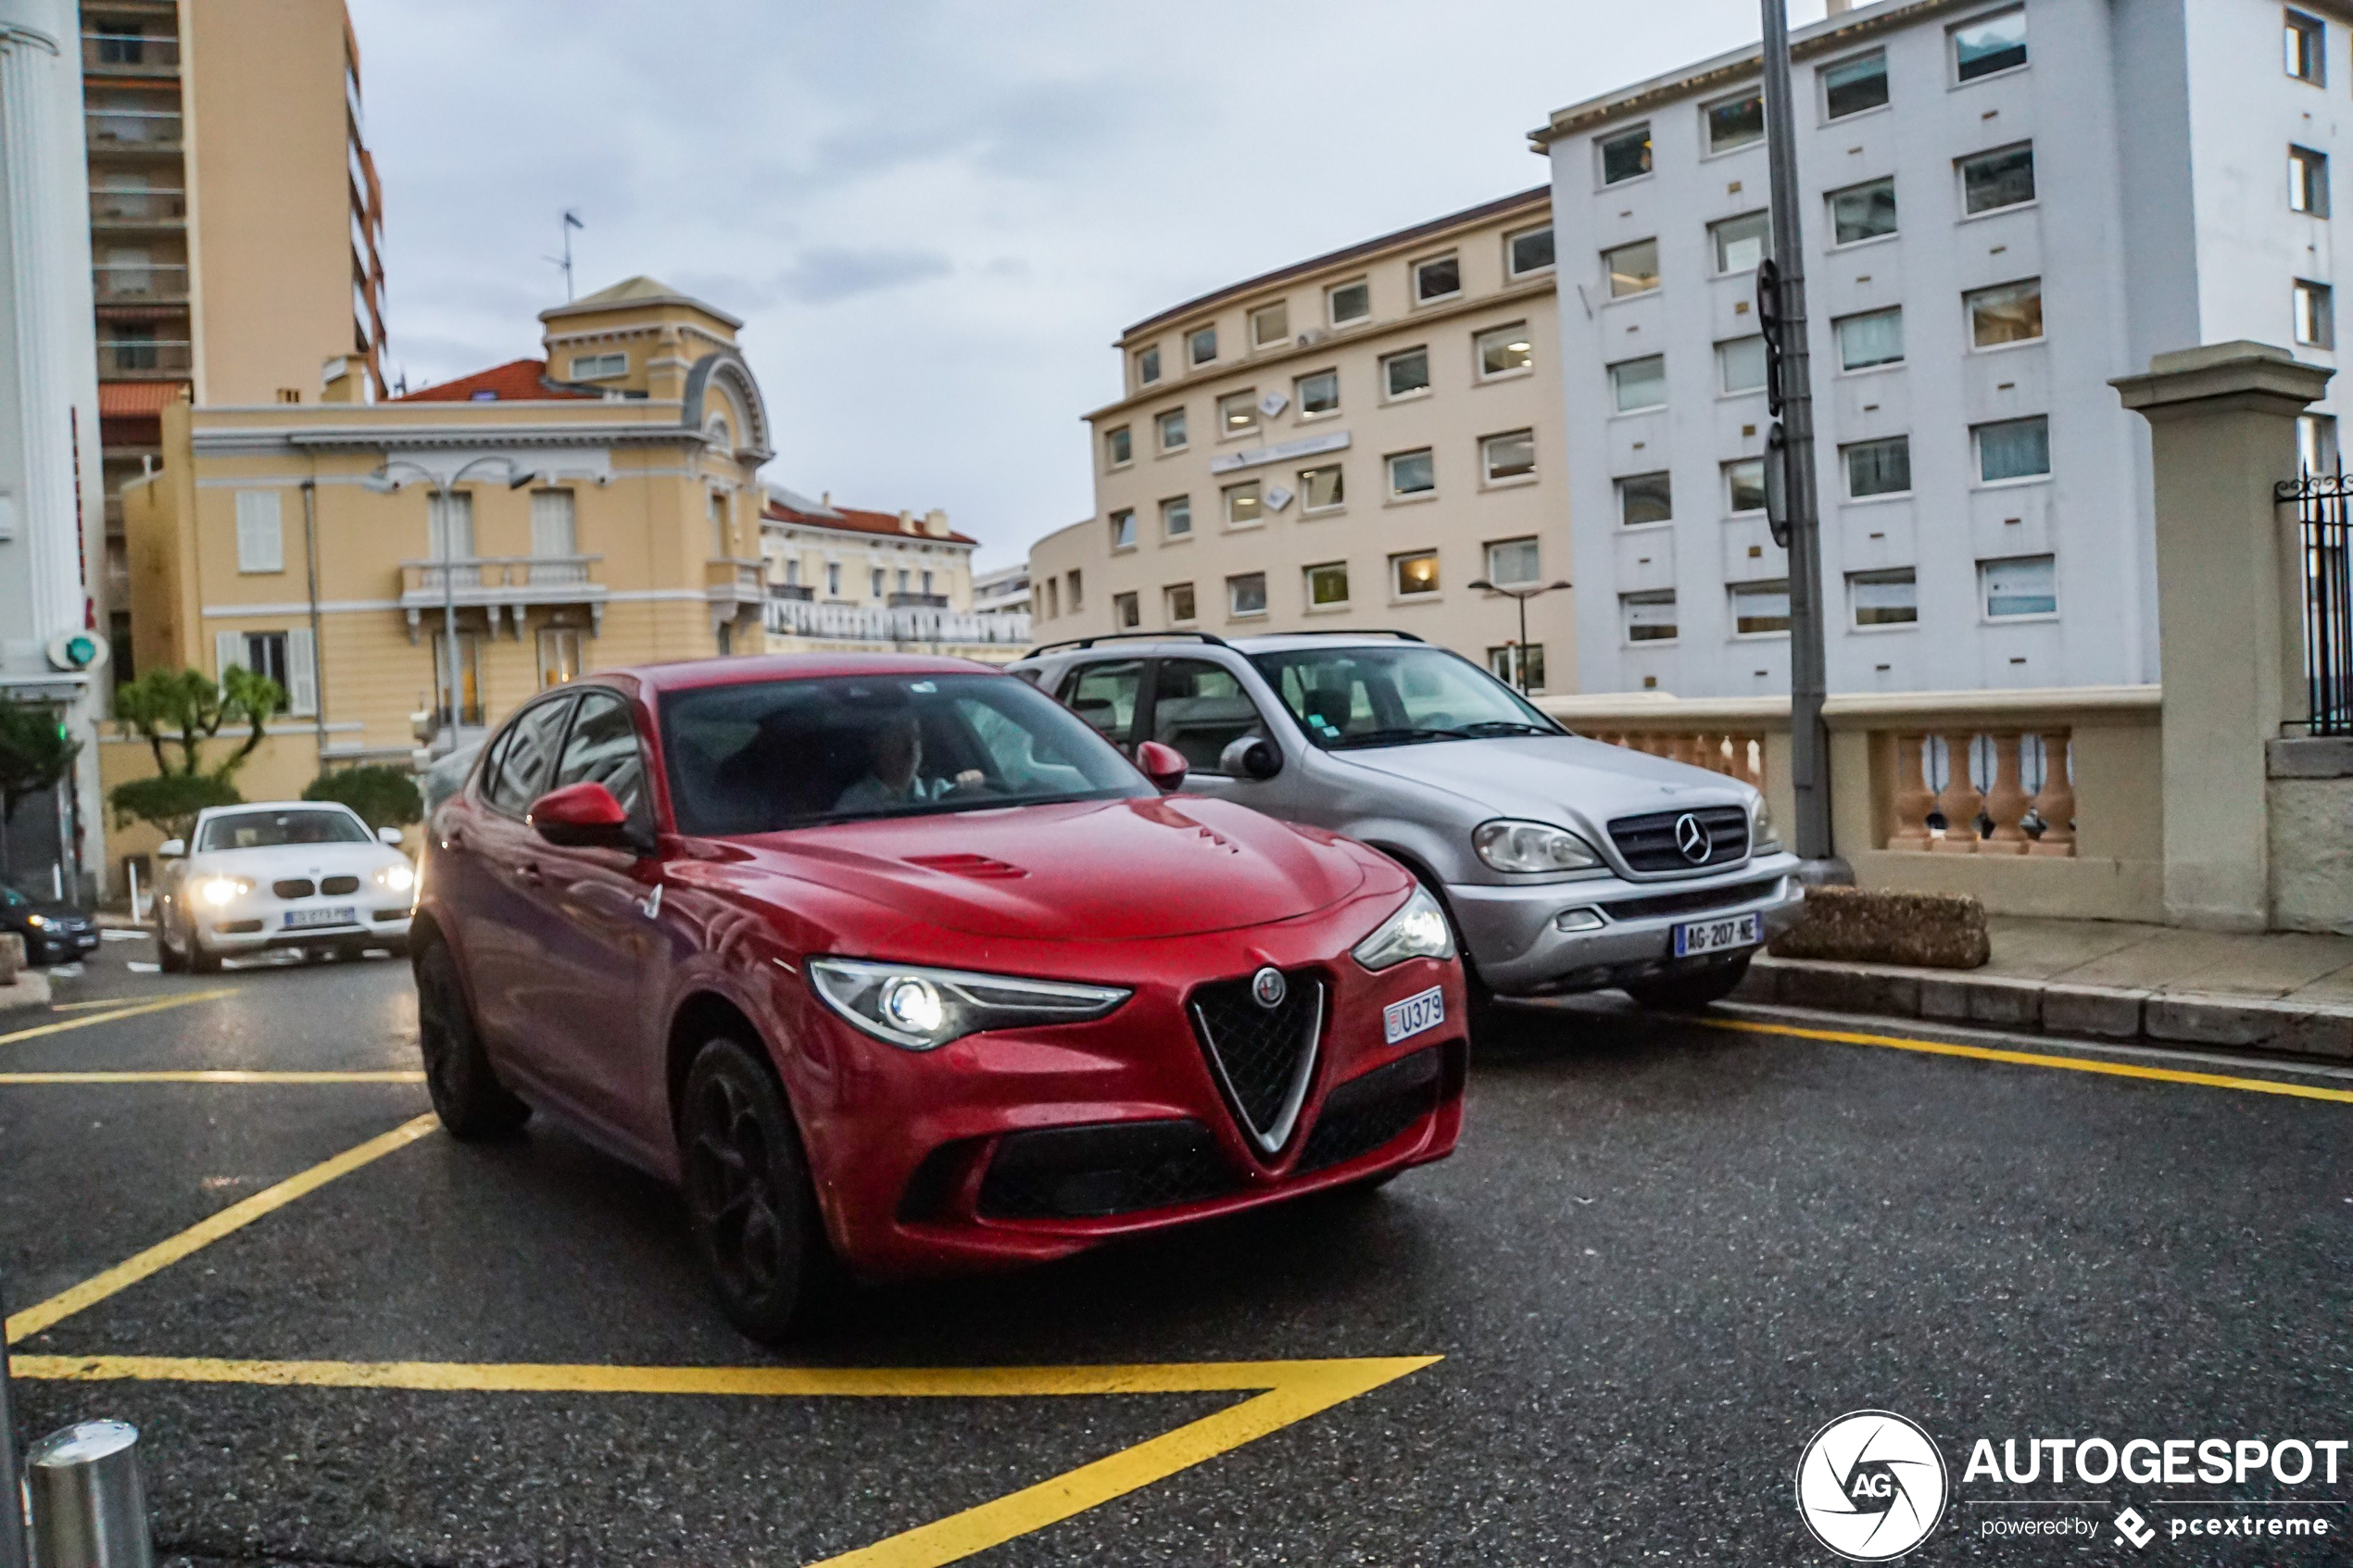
(385, 796)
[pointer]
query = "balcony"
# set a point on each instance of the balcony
(917, 601)
(902, 626)
(500, 587)
(129, 54)
(133, 131)
(728, 579)
(801, 592)
(142, 358)
(144, 206)
(139, 283)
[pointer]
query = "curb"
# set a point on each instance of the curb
(30, 990)
(2094, 1013)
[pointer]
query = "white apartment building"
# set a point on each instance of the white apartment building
(2007, 205)
(1004, 591)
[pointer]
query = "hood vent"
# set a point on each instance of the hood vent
(978, 866)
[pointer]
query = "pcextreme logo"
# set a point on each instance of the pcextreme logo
(1871, 1486)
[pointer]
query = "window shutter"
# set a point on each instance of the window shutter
(228, 648)
(302, 673)
(260, 541)
(552, 531)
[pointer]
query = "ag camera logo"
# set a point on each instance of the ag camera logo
(1871, 1486)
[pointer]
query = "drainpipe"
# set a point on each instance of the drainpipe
(317, 643)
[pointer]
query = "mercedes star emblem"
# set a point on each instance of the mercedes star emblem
(1691, 837)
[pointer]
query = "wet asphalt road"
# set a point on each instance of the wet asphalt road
(1664, 1255)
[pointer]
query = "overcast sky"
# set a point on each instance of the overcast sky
(934, 216)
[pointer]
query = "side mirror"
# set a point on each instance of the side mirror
(171, 849)
(582, 816)
(1165, 765)
(389, 836)
(1249, 756)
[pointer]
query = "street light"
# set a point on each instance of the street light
(1519, 659)
(437, 489)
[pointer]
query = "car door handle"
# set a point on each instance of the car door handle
(528, 874)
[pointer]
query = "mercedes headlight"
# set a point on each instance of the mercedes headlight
(1760, 827)
(220, 890)
(399, 878)
(1418, 930)
(921, 1010)
(1532, 847)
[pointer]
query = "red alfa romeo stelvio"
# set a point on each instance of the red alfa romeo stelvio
(893, 964)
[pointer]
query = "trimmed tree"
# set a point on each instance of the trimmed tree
(385, 796)
(35, 754)
(176, 712)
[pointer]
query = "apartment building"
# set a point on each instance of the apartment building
(1003, 592)
(846, 578)
(2007, 205)
(236, 226)
(1350, 441)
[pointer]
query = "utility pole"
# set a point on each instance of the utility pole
(1789, 464)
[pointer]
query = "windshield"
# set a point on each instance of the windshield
(787, 754)
(267, 830)
(1395, 696)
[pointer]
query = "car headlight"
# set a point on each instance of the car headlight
(220, 890)
(1532, 847)
(36, 922)
(1418, 930)
(920, 1010)
(399, 878)
(1760, 827)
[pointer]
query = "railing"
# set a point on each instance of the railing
(1738, 754)
(477, 578)
(877, 623)
(117, 282)
(916, 601)
(800, 591)
(2324, 527)
(133, 127)
(143, 204)
(126, 357)
(129, 52)
(1969, 792)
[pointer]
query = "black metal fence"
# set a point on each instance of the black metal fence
(2325, 529)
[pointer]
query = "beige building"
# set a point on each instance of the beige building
(846, 578)
(1350, 443)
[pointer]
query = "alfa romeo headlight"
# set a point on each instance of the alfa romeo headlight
(1531, 846)
(399, 878)
(1418, 930)
(920, 1010)
(220, 890)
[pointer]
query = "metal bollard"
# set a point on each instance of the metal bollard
(89, 1505)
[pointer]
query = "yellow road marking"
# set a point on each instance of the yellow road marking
(2035, 1058)
(1292, 1391)
(95, 1003)
(61, 1026)
(219, 1075)
(238, 1215)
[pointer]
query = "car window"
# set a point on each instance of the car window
(12, 899)
(602, 748)
(1395, 696)
(1104, 695)
(761, 757)
(1201, 708)
(528, 750)
(271, 830)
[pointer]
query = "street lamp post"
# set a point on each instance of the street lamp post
(1519, 658)
(438, 490)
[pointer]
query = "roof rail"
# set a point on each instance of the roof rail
(1113, 637)
(1345, 632)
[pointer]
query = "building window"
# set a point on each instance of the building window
(1148, 366)
(1127, 614)
(1744, 485)
(1996, 179)
(1123, 530)
(1760, 609)
(1413, 575)
(1740, 365)
(1352, 301)
(1327, 585)
(1645, 497)
(1510, 455)
(469, 672)
(562, 654)
(1441, 277)
(1119, 449)
(1878, 468)
(2023, 586)
(1237, 412)
(450, 525)
(1200, 343)
(265, 654)
(1631, 269)
(1076, 603)
(1875, 337)
(1514, 563)
(1518, 665)
(1412, 474)
(1989, 45)
(1170, 427)
(1740, 243)
(1244, 505)
(554, 529)
(2307, 182)
(833, 580)
(1180, 603)
(927, 578)
(1626, 155)
(1270, 325)
(1735, 123)
(1529, 251)
(1406, 374)
(874, 581)
(2316, 443)
(599, 367)
(1318, 394)
(262, 542)
(2305, 38)
(1647, 618)
(2315, 314)
(1882, 598)
(2010, 313)
(2014, 449)
(1504, 351)
(1053, 600)
(1177, 517)
(1320, 489)
(1640, 383)
(1246, 594)
(792, 573)
(1863, 212)
(1852, 87)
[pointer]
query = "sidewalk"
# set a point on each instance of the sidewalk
(2274, 991)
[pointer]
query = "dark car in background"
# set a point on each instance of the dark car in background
(52, 933)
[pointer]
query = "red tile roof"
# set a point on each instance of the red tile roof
(118, 400)
(849, 520)
(517, 381)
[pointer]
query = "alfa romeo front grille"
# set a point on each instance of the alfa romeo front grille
(1657, 841)
(1262, 1057)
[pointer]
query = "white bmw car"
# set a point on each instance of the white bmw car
(283, 873)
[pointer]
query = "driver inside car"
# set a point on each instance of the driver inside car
(894, 775)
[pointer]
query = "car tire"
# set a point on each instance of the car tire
(749, 1202)
(464, 1087)
(201, 958)
(1691, 990)
(168, 959)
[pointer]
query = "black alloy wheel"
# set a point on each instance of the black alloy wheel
(750, 1201)
(465, 1090)
(168, 959)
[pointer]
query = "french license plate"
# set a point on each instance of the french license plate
(1718, 935)
(1416, 1013)
(342, 914)
(86, 941)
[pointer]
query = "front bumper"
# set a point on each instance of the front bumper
(1520, 950)
(260, 921)
(60, 944)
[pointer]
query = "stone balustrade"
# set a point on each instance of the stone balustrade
(2005, 793)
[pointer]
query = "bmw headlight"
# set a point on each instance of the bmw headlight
(1418, 930)
(921, 1010)
(398, 878)
(220, 890)
(1532, 847)
(1760, 828)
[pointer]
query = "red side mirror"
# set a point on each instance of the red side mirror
(1165, 765)
(582, 815)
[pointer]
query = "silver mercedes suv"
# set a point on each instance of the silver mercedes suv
(1567, 864)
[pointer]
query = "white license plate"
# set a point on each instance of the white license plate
(342, 914)
(1416, 1013)
(1718, 935)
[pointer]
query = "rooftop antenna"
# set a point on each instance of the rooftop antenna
(572, 221)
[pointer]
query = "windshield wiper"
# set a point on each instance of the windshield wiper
(1395, 736)
(1506, 727)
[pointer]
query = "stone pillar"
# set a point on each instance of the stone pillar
(2228, 596)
